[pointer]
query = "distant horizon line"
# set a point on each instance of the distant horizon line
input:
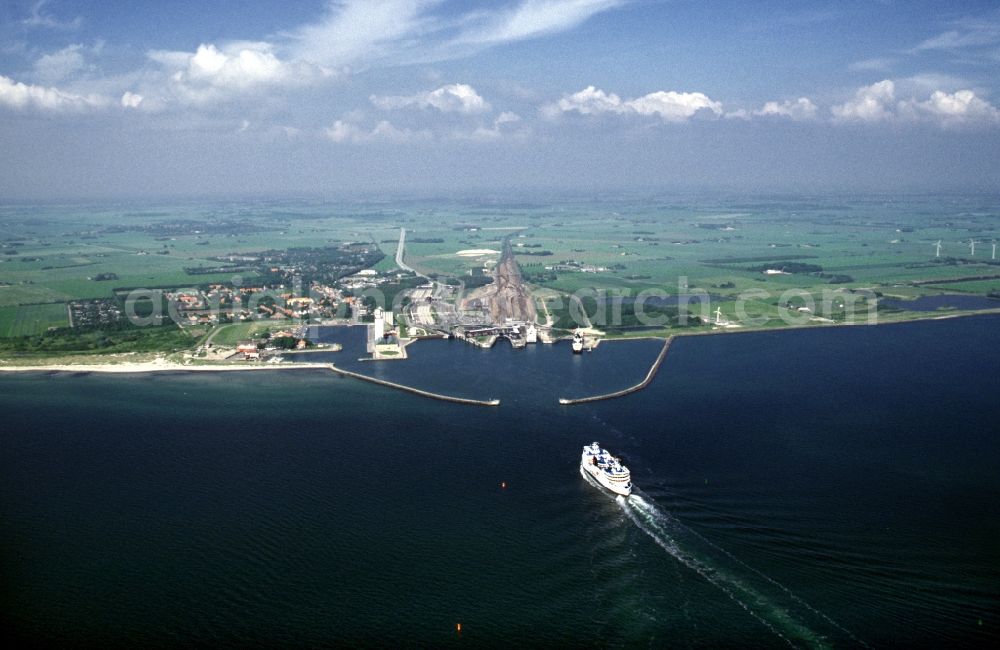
(500, 195)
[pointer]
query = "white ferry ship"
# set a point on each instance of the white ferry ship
(577, 343)
(606, 469)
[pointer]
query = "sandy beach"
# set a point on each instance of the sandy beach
(156, 366)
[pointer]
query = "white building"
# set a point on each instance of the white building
(379, 323)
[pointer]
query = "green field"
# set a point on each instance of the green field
(230, 335)
(27, 320)
(716, 244)
(54, 254)
(971, 286)
(123, 339)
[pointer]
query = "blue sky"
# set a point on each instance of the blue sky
(226, 98)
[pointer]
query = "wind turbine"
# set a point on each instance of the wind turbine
(937, 247)
(972, 246)
(718, 316)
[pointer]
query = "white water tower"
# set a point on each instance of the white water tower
(379, 323)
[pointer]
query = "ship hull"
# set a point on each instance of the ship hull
(601, 479)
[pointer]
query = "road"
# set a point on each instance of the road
(399, 255)
(419, 312)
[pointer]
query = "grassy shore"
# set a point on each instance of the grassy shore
(884, 319)
(158, 362)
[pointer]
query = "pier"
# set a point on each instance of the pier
(415, 391)
(632, 389)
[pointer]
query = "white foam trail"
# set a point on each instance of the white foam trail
(667, 544)
(775, 618)
(643, 504)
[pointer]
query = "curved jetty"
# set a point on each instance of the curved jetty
(415, 391)
(626, 391)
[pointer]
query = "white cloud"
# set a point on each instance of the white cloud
(239, 66)
(40, 18)
(969, 39)
(877, 103)
(872, 103)
(588, 101)
(349, 34)
(670, 106)
(502, 125)
(60, 64)
(131, 100)
(21, 96)
(673, 106)
(533, 18)
(384, 131)
(360, 30)
(341, 131)
(971, 33)
(507, 118)
(359, 33)
(945, 41)
(953, 108)
(212, 74)
(460, 98)
(927, 82)
(800, 110)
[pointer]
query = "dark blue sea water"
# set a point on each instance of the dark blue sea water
(814, 488)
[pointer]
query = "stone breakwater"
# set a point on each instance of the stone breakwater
(415, 391)
(632, 389)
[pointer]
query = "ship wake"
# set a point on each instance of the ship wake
(773, 605)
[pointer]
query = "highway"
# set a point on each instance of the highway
(419, 312)
(399, 255)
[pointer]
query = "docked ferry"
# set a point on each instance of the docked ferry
(606, 469)
(577, 343)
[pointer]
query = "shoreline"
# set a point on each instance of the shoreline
(154, 366)
(160, 365)
(664, 333)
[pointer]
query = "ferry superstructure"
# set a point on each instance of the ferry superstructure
(606, 469)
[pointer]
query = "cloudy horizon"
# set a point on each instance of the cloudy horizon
(331, 97)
